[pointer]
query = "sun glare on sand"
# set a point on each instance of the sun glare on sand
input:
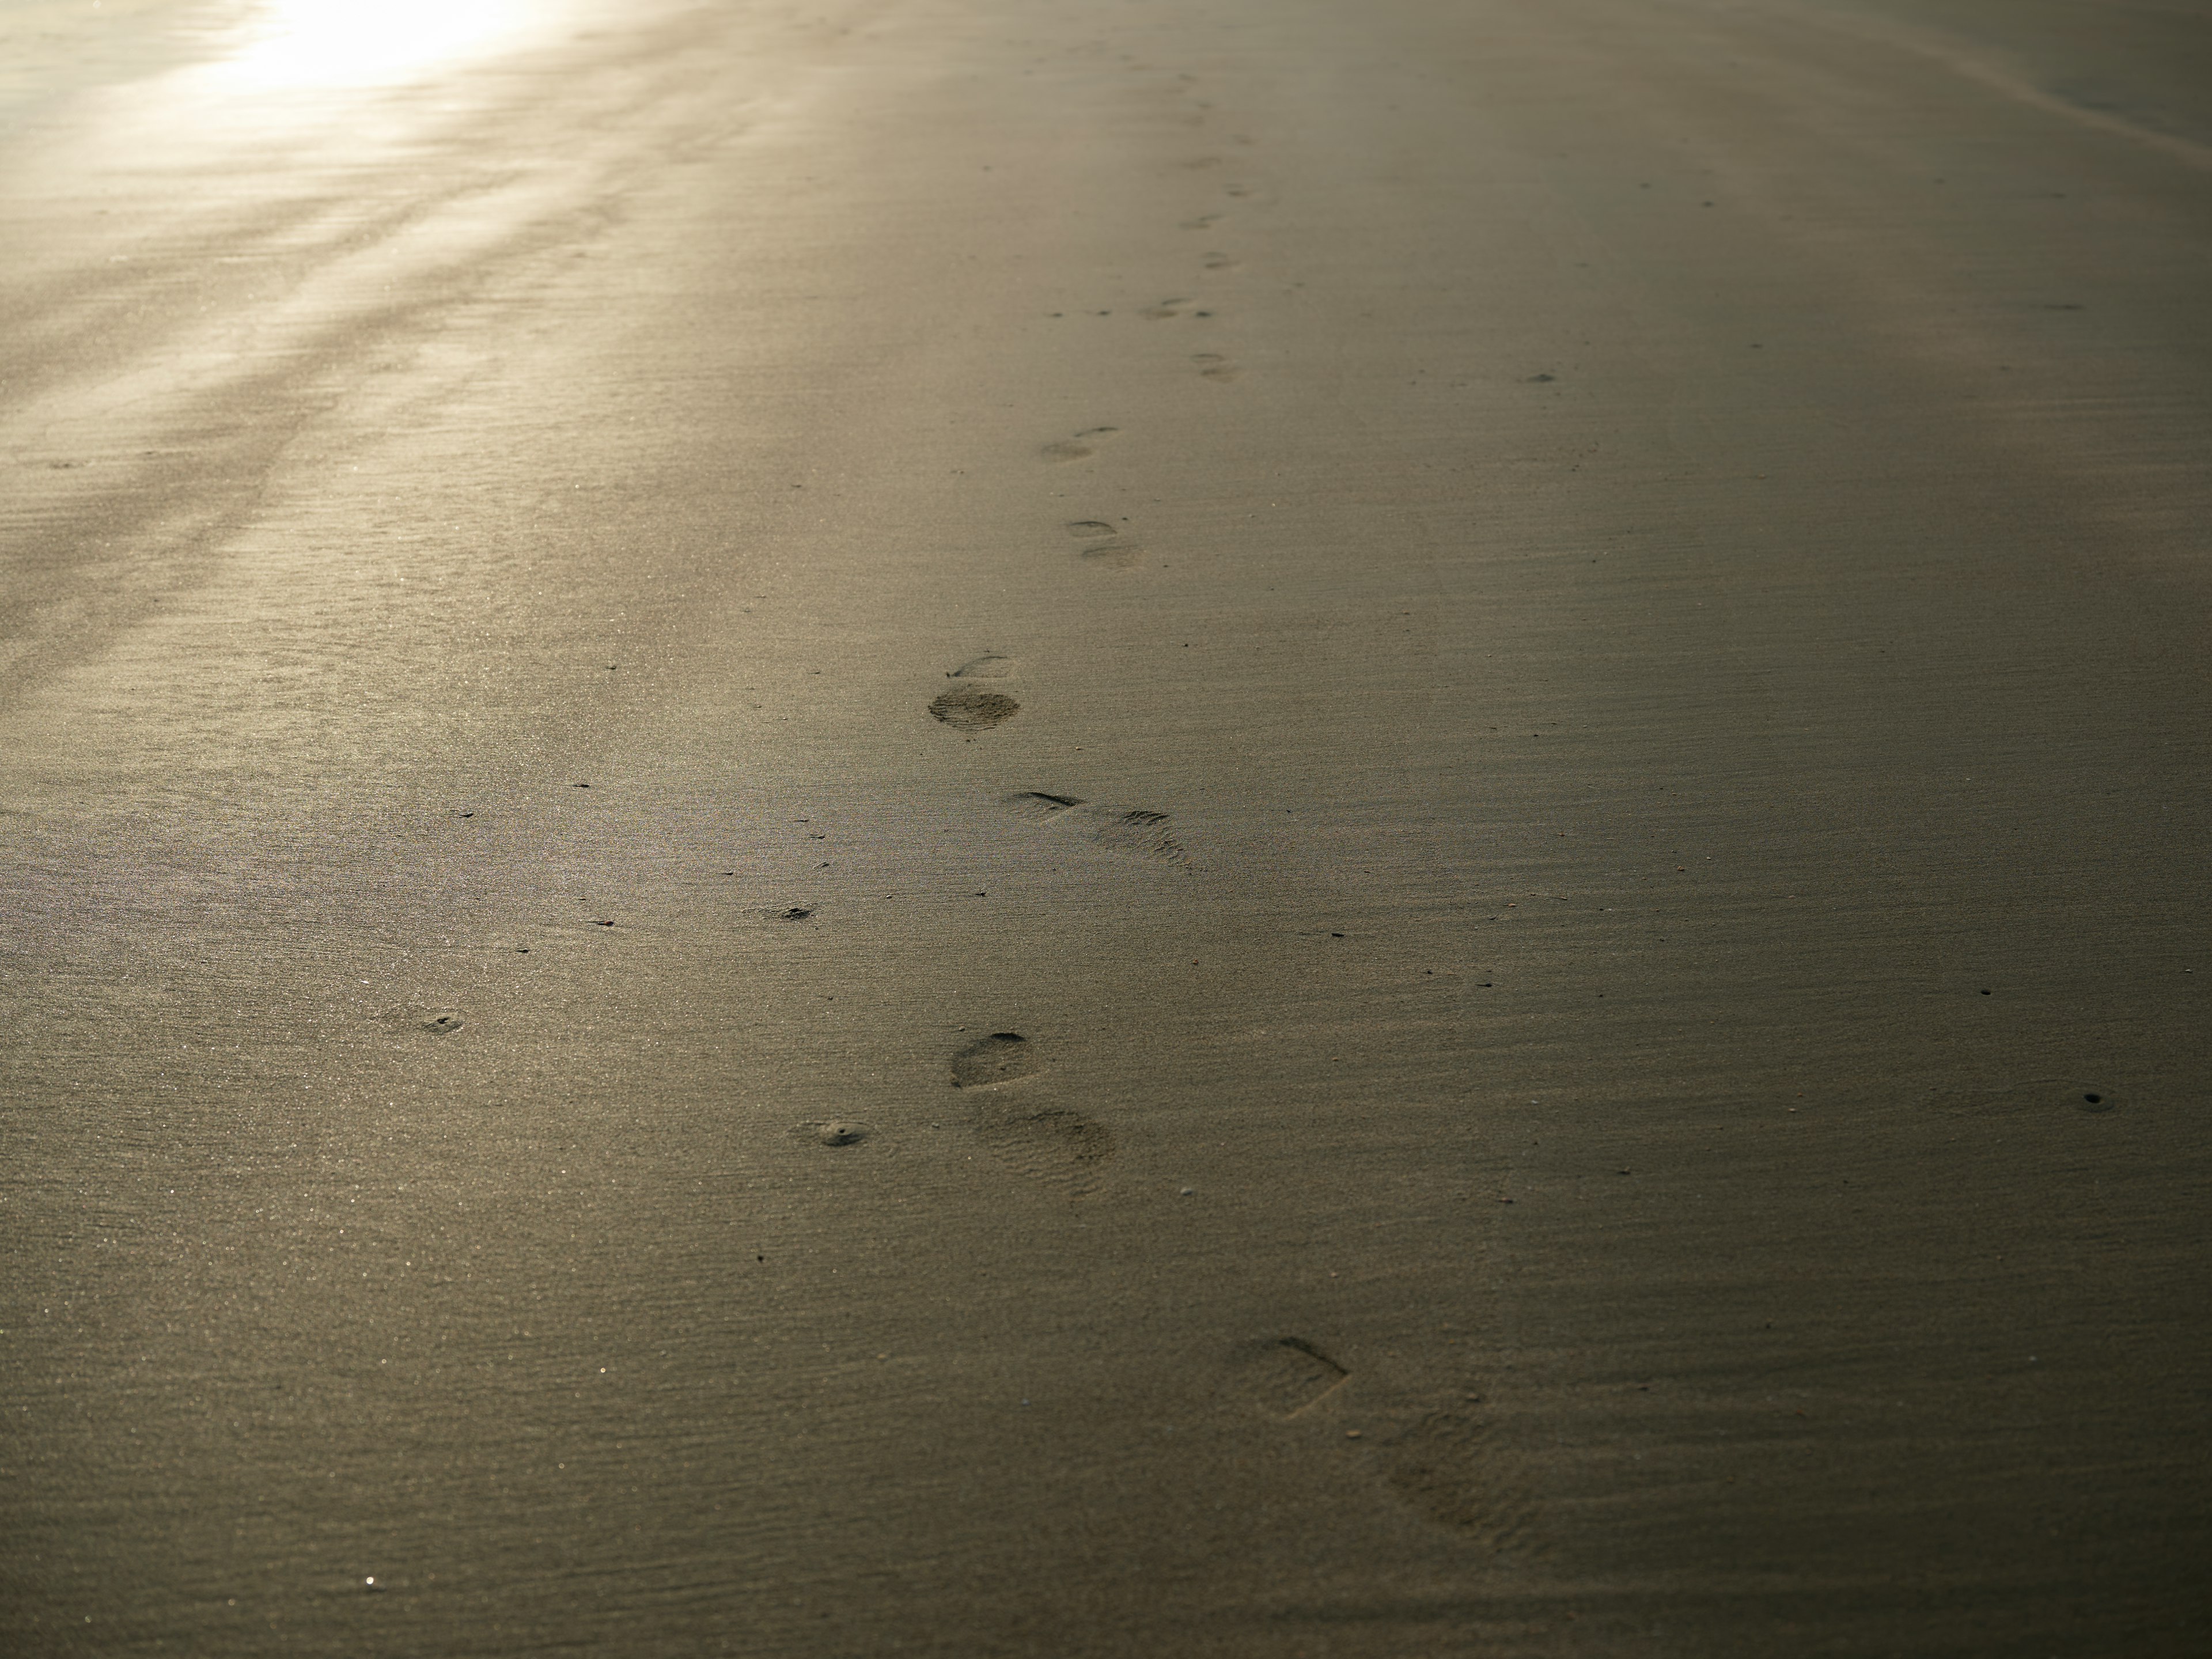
(332, 43)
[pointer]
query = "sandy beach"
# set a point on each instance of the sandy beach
(1171, 828)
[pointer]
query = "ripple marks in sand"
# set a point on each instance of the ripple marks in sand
(1122, 829)
(1075, 446)
(971, 708)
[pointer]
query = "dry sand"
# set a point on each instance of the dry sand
(1549, 655)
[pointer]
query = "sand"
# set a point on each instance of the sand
(969, 828)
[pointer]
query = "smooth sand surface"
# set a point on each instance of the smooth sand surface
(1199, 827)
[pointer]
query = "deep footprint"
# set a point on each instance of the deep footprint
(971, 708)
(1001, 1057)
(1083, 443)
(1123, 829)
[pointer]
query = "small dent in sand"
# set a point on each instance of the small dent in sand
(837, 1131)
(988, 666)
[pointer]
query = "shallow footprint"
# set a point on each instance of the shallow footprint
(831, 1132)
(1213, 366)
(409, 1019)
(1285, 1377)
(2036, 1095)
(1119, 556)
(971, 708)
(1104, 544)
(1047, 1143)
(1218, 262)
(1001, 1057)
(1123, 829)
(1083, 443)
(1447, 1469)
(1162, 311)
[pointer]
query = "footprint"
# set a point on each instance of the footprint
(1047, 1143)
(971, 708)
(1001, 1057)
(1123, 829)
(986, 667)
(1083, 443)
(1213, 366)
(1105, 546)
(1446, 1466)
(1217, 262)
(2037, 1095)
(1285, 1377)
(408, 1018)
(1165, 309)
(1204, 222)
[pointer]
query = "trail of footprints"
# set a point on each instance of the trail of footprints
(1046, 1142)
(1442, 1463)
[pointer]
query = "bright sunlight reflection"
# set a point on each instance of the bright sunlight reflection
(330, 43)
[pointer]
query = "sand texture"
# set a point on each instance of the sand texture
(998, 828)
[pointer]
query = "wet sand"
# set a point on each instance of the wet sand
(1164, 829)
